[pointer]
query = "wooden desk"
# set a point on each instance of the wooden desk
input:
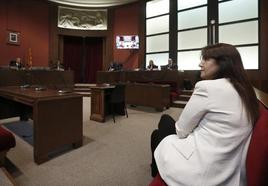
(150, 95)
(98, 101)
(140, 76)
(47, 78)
(146, 88)
(57, 118)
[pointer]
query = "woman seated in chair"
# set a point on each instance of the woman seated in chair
(209, 142)
(152, 66)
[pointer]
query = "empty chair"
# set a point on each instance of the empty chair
(117, 100)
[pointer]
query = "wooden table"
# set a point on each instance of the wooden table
(57, 118)
(150, 95)
(99, 100)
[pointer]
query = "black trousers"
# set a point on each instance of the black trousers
(166, 126)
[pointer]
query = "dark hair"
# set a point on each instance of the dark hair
(231, 67)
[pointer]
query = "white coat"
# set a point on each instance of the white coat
(213, 133)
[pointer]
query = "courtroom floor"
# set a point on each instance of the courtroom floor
(113, 154)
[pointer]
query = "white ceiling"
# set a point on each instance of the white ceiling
(93, 3)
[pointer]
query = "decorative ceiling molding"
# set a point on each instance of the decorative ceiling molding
(93, 3)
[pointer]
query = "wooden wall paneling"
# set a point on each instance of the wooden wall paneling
(264, 44)
(33, 28)
(109, 40)
(60, 48)
(53, 39)
(141, 61)
(126, 22)
(173, 31)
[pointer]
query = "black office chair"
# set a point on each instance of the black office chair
(117, 100)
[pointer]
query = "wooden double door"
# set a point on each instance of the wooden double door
(83, 55)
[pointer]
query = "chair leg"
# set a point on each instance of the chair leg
(126, 110)
(113, 112)
(2, 157)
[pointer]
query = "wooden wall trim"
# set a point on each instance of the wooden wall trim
(142, 20)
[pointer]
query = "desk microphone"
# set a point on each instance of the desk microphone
(24, 77)
(65, 88)
(40, 88)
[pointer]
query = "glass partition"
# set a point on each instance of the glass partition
(250, 56)
(192, 18)
(189, 60)
(239, 33)
(183, 4)
(238, 10)
(157, 7)
(192, 32)
(157, 25)
(157, 43)
(239, 26)
(230, 21)
(192, 39)
(157, 31)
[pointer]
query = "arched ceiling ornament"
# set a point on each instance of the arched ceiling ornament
(93, 3)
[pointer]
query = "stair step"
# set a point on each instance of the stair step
(84, 84)
(187, 92)
(85, 94)
(82, 89)
(179, 104)
(184, 97)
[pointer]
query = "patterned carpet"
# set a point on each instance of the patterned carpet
(23, 129)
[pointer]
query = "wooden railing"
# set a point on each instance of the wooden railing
(262, 97)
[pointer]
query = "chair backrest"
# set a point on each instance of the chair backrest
(157, 181)
(163, 67)
(257, 156)
(118, 94)
(7, 139)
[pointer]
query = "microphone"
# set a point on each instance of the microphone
(25, 76)
(65, 88)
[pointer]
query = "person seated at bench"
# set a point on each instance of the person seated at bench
(115, 66)
(152, 66)
(209, 142)
(16, 64)
(112, 66)
(171, 65)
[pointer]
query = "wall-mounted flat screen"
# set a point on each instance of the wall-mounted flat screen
(127, 42)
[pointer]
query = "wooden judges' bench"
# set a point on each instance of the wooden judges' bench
(49, 78)
(145, 88)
